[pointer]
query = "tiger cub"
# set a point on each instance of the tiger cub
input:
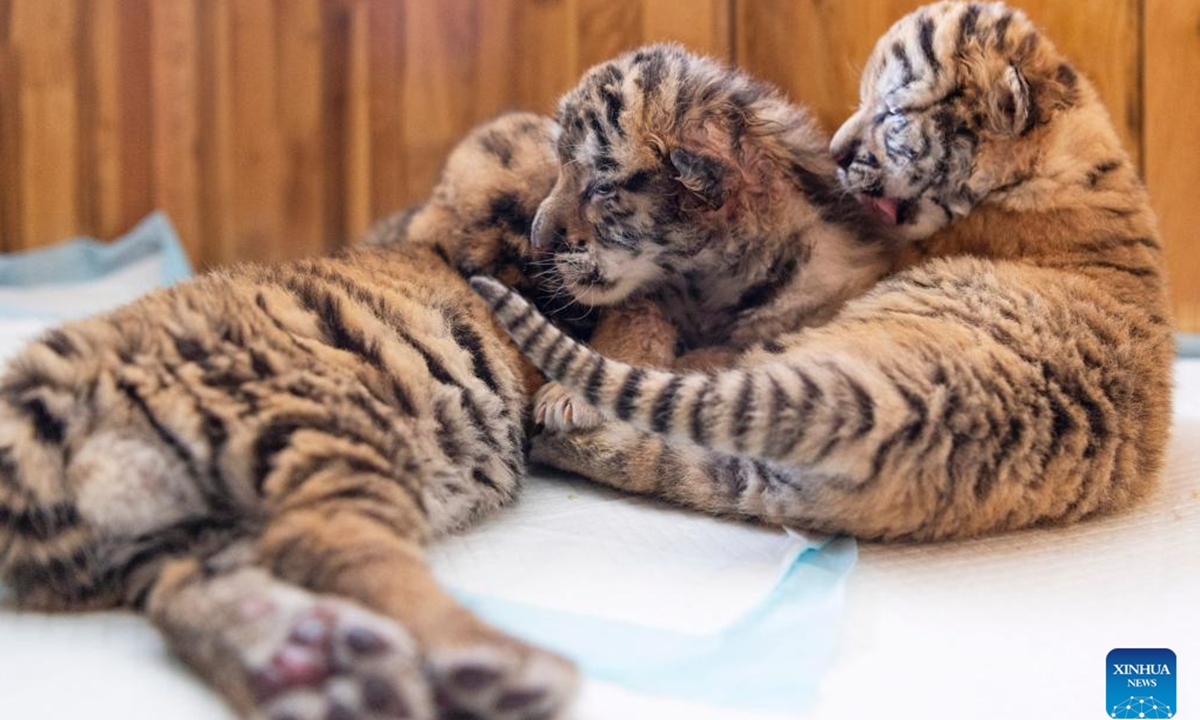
(1016, 373)
(706, 194)
(256, 459)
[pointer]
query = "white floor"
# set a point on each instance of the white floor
(1012, 626)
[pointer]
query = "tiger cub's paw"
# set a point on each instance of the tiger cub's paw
(557, 410)
(501, 680)
(336, 661)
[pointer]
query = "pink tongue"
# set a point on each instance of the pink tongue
(887, 207)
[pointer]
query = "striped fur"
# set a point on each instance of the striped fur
(321, 420)
(696, 186)
(1017, 373)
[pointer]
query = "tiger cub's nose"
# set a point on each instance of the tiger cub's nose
(845, 156)
(548, 232)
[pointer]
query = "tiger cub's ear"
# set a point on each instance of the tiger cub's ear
(1011, 102)
(1027, 96)
(702, 174)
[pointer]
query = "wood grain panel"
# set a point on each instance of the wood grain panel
(255, 78)
(217, 221)
(44, 37)
(276, 128)
(102, 160)
(703, 26)
(135, 106)
(439, 97)
(549, 66)
(815, 49)
(301, 128)
(387, 181)
(10, 133)
(1172, 143)
(175, 102)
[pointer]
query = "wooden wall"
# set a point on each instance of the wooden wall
(1171, 143)
(275, 128)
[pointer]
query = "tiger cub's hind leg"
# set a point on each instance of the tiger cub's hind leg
(475, 670)
(280, 652)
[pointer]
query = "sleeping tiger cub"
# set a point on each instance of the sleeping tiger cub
(1017, 373)
(256, 459)
(706, 195)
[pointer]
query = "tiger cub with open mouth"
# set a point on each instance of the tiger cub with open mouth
(1016, 373)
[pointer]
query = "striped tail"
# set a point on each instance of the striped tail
(776, 412)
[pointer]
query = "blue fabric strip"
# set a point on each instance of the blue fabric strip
(770, 661)
(84, 259)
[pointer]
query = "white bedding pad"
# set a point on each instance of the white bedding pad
(1021, 624)
(574, 546)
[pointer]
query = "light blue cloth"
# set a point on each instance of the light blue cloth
(771, 659)
(75, 263)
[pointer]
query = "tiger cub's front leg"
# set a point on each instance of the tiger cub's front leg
(622, 457)
(637, 332)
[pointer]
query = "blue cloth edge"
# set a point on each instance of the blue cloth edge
(82, 259)
(724, 668)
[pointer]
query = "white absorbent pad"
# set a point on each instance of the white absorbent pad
(669, 613)
(654, 598)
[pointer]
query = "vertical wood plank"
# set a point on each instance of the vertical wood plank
(547, 54)
(102, 163)
(388, 178)
(85, 122)
(358, 123)
(1172, 142)
(44, 38)
(811, 50)
(440, 58)
(496, 61)
(606, 28)
(10, 137)
(174, 109)
(301, 128)
(702, 25)
(335, 52)
(134, 106)
(217, 127)
(255, 201)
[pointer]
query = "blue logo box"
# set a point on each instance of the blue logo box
(1141, 683)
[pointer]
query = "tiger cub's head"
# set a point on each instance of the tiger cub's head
(957, 101)
(480, 212)
(660, 152)
(479, 215)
